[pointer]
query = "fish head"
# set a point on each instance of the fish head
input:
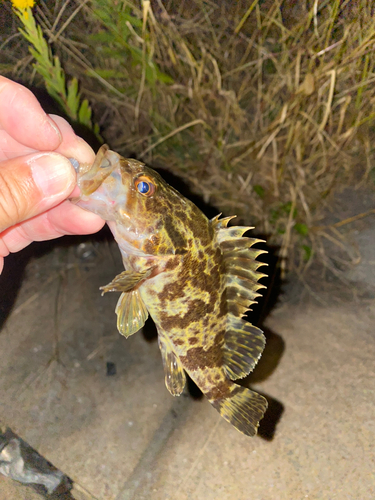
(141, 209)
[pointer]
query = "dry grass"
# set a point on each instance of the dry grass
(264, 107)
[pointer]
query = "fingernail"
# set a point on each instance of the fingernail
(75, 164)
(52, 173)
(53, 125)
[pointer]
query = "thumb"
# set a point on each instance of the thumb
(32, 184)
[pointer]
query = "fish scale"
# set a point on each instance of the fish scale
(196, 278)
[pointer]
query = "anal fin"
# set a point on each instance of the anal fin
(175, 378)
(131, 313)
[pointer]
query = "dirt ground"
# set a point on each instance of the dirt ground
(95, 404)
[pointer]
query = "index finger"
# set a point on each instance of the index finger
(23, 118)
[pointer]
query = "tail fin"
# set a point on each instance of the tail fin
(243, 409)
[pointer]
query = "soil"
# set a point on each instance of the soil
(95, 404)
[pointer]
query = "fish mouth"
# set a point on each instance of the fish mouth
(100, 184)
(90, 178)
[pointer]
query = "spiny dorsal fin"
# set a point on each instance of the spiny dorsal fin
(221, 223)
(233, 233)
(244, 343)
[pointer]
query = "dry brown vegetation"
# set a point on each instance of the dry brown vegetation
(264, 107)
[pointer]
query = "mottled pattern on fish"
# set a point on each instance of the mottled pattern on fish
(195, 277)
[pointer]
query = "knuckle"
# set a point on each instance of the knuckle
(10, 206)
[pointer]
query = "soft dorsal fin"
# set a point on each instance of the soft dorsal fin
(244, 343)
(131, 313)
(174, 373)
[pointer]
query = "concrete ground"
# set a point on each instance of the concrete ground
(115, 430)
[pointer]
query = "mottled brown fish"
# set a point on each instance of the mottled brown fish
(196, 278)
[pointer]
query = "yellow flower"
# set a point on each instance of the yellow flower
(23, 4)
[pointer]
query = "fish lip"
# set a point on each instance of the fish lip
(91, 177)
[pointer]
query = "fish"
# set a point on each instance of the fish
(195, 277)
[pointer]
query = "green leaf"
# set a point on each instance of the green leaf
(286, 207)
(134, 21)
(163, 77)
(269, 67)
(274, 215)
(150, 75)
(302, 229)
(102, 37)
(259, 190)
(84, 113)
(73, 98)
(308, 252)
(110, 73)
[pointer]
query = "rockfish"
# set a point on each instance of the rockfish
(196, 278)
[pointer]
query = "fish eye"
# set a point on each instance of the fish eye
(144, 186)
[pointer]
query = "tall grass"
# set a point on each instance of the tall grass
(264, 107)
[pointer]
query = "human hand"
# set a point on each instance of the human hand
(36, 177)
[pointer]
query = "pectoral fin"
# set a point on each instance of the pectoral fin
(125, 281)
(174, 373)
(131, 313)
